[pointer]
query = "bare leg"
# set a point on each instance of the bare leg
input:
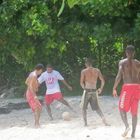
(63, 101)
(93, 103)
(134, 124)
(125, 121)
(84, 112)
(100, 113)
(37, 117)
(49, 111)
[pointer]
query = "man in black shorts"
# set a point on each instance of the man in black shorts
(88, 81)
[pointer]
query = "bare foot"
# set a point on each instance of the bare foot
(85, 125)
(105, 123)
(132, 135)
(51, 118)
(37, 125)
(126, 132)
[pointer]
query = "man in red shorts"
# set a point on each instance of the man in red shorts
(129, 70)
(51, 77)
(32, 89)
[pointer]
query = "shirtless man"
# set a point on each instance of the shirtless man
(32, 89)
(129, 71)
(53, 92)
(88, 82)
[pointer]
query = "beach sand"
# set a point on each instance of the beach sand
(19, 124)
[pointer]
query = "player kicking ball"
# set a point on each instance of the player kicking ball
(51, 78)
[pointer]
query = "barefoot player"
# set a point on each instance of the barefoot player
(53, 92)
(88, 81)
(129, 71)
(32, 89)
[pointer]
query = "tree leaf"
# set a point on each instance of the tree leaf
(61, 9)
(71, 3)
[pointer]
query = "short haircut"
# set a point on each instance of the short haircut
(130, 48)
(49, 66)
(39, 67)
(88, 61)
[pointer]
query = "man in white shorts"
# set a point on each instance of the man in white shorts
(53, 92)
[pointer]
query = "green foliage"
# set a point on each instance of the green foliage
(137, 28)
(63, 33)
(71, 3)
(61, 9)
(103, 43)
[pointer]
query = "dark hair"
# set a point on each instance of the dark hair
(39, 67)
(88, 61)
(130, 48)
(49, 66)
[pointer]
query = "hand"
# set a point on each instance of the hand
(99, 90)
(70, 88)
(35, 97)
(115, 93)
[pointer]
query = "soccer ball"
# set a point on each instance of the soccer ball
(66, 116)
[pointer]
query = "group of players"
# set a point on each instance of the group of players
(128, 71)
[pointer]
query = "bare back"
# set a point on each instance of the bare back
(32, 83)
(89, 77)
(130, 70)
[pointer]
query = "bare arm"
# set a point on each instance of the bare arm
(139, 70)
(82, 80)
(66, 84)
(117, 80)
(33, 85)
(27, 81)
(139, 78)
(102, 82)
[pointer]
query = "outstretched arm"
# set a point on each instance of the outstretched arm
(67, 85)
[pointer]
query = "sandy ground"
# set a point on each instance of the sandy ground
(18, 125)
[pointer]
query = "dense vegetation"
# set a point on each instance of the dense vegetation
(63, 32)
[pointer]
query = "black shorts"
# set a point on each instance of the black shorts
(92, 98)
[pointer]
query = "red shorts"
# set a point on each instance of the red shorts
(49, 98)
(33, 103)
(129, 98)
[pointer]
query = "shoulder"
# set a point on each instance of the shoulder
(56, 72)
(43, 74)
(123, 61)
(96, 70)
(83, 71)
(32, 74)
(136, 61)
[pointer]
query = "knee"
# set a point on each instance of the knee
(123, 112)
(38, 109)
(47, 106)
(84, 110)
